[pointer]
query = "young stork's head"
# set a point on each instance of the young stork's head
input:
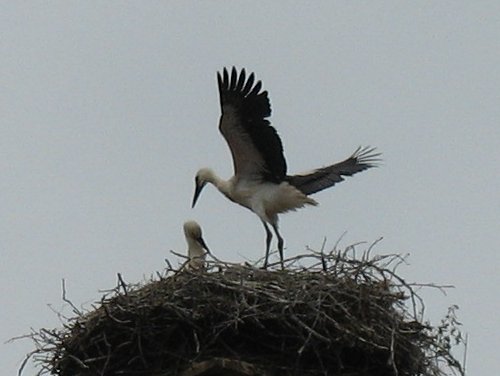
(196, 246)
(192, 231)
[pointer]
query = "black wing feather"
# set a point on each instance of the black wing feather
(362, 159)
(252, 107)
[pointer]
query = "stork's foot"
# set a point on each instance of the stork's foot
(280, 250)
(266, 259)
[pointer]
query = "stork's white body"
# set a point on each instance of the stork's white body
(260, 182)
(266, 199)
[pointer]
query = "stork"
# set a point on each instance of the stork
(260, 181)
(196, 245)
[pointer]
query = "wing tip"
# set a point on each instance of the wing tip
(232, 80)
(238, 89)
(368, 156)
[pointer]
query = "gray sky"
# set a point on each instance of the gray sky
(109, 108)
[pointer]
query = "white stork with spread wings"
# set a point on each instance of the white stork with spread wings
(260, 182)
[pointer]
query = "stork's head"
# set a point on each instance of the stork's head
(203, 176)
(192, 231)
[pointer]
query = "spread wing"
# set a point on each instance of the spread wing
(255, 146)
(317, 180)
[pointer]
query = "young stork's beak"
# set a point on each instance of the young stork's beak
(203, 244)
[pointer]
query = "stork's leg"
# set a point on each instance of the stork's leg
(280, 244)
(269, 236)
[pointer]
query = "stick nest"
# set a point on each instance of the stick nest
(336, 316)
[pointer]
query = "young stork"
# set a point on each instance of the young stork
(260, 182)
(196, 245)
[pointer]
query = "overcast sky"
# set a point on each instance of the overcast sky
(108, 108)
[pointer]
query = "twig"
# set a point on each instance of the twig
(75, 309)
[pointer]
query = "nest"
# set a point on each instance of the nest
(336, 316)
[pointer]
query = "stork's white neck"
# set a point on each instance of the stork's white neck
(224, 186)
(194, 248)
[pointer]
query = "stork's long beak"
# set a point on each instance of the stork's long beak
(197, 192)
(203, 244)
